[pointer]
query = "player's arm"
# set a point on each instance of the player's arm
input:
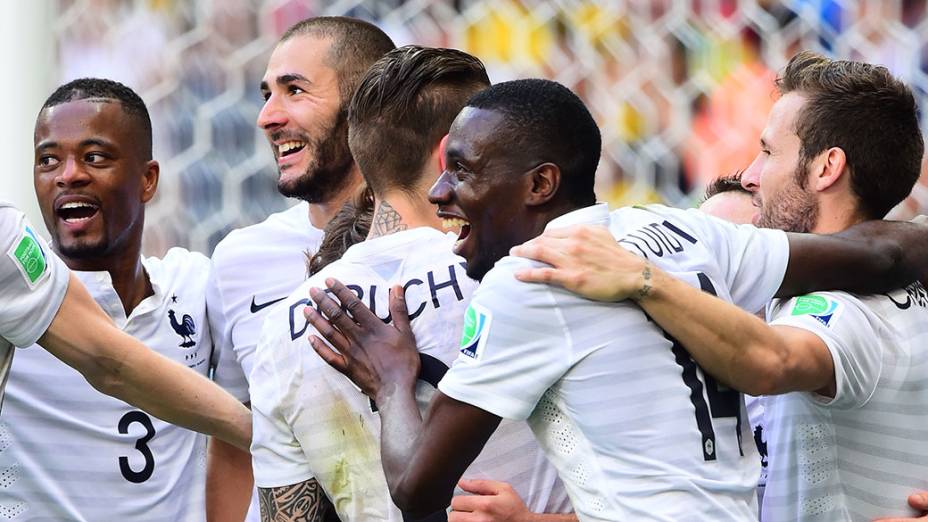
(492, 501)
(229, 478)
(229, 481)
(117, 364)
(736, 347)
(287, 489)
(302, 502)
(870, 257)
(384, 362)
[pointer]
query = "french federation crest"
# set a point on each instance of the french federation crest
(186, 329)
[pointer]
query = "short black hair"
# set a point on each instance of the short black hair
(103, 89)
(730, 183)
(548, 122)
(403, 106)
(356, 44)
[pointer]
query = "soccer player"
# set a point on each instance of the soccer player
(310, 77)
(617, 404)
(845, 421)
(309, 420)
(73, 452)
(37, 285)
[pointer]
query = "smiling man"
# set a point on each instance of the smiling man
(79, 454)
(635, 428)
(309, 420)
(310, 77)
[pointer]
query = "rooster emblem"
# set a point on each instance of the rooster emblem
(185, 329)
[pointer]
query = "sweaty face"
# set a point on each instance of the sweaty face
(777, 177)
(304, 122)
(89, 177)
(480, 190)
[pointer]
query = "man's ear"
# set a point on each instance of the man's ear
(545, 179)
(828, 169)
(150, 180)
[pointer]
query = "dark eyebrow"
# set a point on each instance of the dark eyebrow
(284, 79)
(96, 141)
(90, 142)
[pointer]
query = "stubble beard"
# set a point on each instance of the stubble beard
(328, 172)
(793, 209)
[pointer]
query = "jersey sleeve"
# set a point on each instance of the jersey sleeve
(277, 457)
(852, 335)
(753, 260)
(33, 280)
(227, 371)
(514, 346)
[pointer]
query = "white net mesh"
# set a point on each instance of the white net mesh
(680, 89)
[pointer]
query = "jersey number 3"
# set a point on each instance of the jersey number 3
(141, 445)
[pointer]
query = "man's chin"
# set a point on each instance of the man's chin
(82, 249)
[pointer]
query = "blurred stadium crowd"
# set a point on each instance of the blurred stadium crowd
(679, 89)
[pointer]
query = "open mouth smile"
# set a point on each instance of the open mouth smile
(76, 212)
(463, 228)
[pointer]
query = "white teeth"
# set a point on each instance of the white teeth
(288, 146)
(453, 223)
(77, 204)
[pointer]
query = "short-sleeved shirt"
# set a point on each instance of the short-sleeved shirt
(33, 282)
(311, 421)
(254, 268)
(856, 456)
(634, 426)
(69, 452)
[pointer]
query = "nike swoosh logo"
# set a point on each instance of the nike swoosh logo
(255, 308)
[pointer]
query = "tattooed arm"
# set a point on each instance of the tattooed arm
(303, 502)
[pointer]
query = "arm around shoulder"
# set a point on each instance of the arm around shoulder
(870, 257)
(736, 347)
(121, 366)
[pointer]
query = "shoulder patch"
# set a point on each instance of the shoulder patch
(477, 321)
(29, 257)
(823, 309)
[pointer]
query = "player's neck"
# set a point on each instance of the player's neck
(836, 216)
(128, 275)
(322, 212)
(398, 211)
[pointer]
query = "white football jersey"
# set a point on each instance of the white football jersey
(856, 456)
(33, 282)
(636, 429)
(70, 452)
(252, 269)
(311, 421)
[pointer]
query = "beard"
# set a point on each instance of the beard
(327, 172)
(793, 209)
(83, 249)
